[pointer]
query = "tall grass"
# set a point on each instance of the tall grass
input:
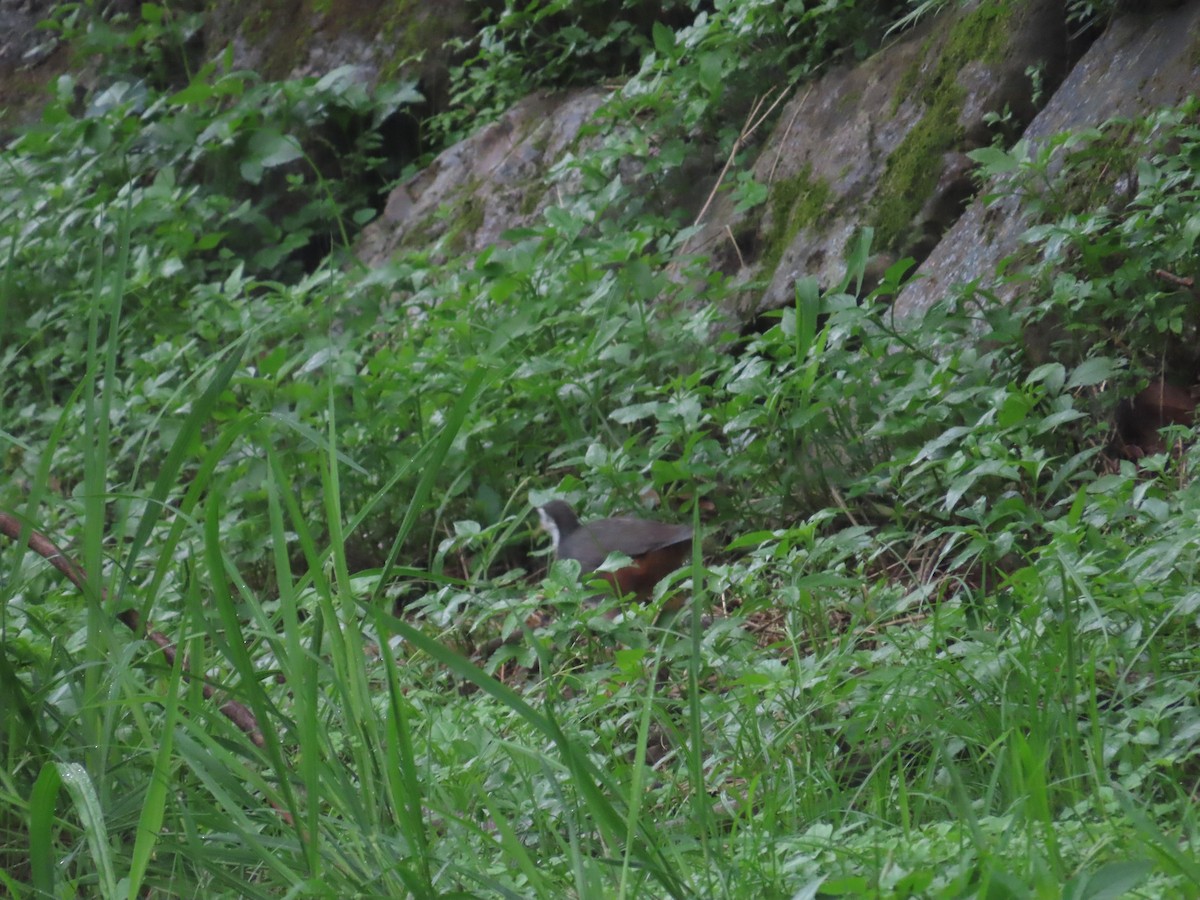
(939, 641)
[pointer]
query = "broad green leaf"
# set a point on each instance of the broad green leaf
(1092, 371)
(664, 40)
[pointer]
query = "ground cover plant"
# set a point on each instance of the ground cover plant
(941, 639)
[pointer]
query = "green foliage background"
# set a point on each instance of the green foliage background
(948, 645)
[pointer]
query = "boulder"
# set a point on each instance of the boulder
(881, 144)
(1143, 61)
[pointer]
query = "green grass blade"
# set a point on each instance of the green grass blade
(432, 463)
(181, 449)
(592, 784)
(87, 805)
(154, 807)
(42, 858)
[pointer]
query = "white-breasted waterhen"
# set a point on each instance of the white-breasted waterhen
(655, 548)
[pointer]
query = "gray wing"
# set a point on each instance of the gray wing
(633, 537)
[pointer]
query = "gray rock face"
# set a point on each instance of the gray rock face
(21, 42)
(882, 145)
(383, 39)
(495, 180)
(30, 59)
(1143, 61)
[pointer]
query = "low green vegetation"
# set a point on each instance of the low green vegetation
(941, 637)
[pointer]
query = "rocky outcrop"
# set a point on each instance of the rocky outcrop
(1143, 61)
(383, 39)
(21, 43)
(30, 59)
(477, 189)
(880, 144)
(883, 144)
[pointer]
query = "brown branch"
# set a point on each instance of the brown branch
(235, 712)
(1172, 278)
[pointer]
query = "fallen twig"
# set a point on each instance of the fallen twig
(238, 714)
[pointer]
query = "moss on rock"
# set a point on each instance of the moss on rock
(912, 170)
(796, 203)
